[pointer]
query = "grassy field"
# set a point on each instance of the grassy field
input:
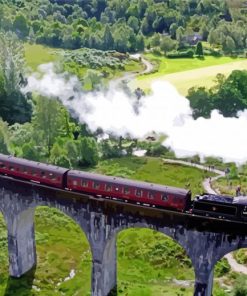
(185, 73)
(38, 54)
(155, 170)
(229, 187)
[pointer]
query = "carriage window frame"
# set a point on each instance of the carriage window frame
(52, 176)
(74, 182)
(151, 194)
(96, 185)
(126, 190)
(84, 183)
(25, 170)
(108, 187)
(138, 193)
(42, 174)
(164, 197)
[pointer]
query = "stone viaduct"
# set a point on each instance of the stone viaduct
(204, 240)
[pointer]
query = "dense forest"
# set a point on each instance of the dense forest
(126, 25)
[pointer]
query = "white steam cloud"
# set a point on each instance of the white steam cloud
(164, 111)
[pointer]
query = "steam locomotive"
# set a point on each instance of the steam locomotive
(124, 190)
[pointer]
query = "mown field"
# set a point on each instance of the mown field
(148, 262)
(186, 73)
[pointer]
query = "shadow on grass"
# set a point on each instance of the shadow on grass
(113, 292)
(20, 286)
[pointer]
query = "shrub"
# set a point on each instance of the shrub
(180, 54)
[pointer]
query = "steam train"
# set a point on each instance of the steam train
(125, 190)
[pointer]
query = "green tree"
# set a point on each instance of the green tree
(47, 121)
(63, 161)
(200, 101)
(172, 30)
(4, 137)
(72, 152)
(88, 151)
(29, 151)
(133, 23)
(92, 79)
(56, 152)
(199, 50)
(140, 42)
(21, 133)
(109, 149)
(229, 45)
(14, 105)
(167, 44)
(155, 40)
(108, 41)
(180, 35)
(20, 25)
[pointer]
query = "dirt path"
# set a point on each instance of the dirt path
(130, 76)
(235, 266)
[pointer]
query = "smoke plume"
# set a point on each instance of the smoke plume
(164, 111)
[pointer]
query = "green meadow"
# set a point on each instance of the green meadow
(185, 73)
(169, 66)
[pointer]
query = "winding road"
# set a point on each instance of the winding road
(128, 76)
(235, 266)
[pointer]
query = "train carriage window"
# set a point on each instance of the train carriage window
(11, 168)
(151, 195)
(74, 182)
(164, 197)
(126, 190)
(42, 174)
(108, 187)
(96, 185)
(52, 176)
(84, 183)
(2, 165)
(138, 192)
(116, 188)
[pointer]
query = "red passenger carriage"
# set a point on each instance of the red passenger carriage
(129, 190)
(33, 171)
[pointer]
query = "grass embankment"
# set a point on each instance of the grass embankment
(185, 73)
(156, 171)
(38, 54)
(148, 262)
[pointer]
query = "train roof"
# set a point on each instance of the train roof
(241, 200)
(128, 182)
(215, 198)
(33, 164)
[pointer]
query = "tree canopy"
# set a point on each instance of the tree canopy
(120, 24)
